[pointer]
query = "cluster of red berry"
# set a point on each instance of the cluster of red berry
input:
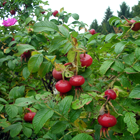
(64, 86)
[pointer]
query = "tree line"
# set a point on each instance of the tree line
(105, 28)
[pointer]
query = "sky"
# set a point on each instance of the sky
(88, 10)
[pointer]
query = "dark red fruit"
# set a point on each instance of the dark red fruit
(27, 54)
(86, 60)
(136, 26)
(107, 120)
(57, 74)
(63, 86)
(13, 39)
(110, 94)
(55, 13)
(77, 80)
(4, 3)
(28, 117)
(43, 12)
(92, 31)
(13, 12)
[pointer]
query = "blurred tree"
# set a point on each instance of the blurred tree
(136, 10)
(124, 10)
(106, 28)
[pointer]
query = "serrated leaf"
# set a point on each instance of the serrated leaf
(130, 120)
(120, 46)
(75, 16)
(64, 31)
(40, 118)
(4, 123)
(137, 52)
(129, 59)
(3, 100)
(65, 104)
(35, 62)
(67, 47)
(129, 70)
(124, 81)
(22, 48)
(137, 42)
(12, 110)
(49, 135)
(110, 36)
(118, 66)
(45, 68)
(135, 93)
(136, 66)
(25, 72)
(27, 131)
(11, 64)
(1, 107)
(28, 20)
(105, 66)
(74, 114)
(24, 101)
(79, 103)
(45, 26)
(59, 127)
(82, 136)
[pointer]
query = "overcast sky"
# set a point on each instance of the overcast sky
(89, 10)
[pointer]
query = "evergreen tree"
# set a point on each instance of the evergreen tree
(106, 28)
(136, 10)
(94, 25)
(124, 11)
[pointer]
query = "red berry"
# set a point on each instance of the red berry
(43, 12)
(110, 94)
(63, 86)
(13, 12)
(77, 80)
(92, 31)
(55, 13)
(107, 120)
(86, 60)
(57, 74)
(13, 39)
(27, 54)
(4, 3)
(28, 117)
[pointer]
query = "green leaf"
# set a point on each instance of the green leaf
(16, 92)
(110, 36)
(57, 43)
(113, 19)
(71, 55)
(74, 114)
(40, 118)
(137, 42)
(65, 104)
(124, 81)
(25, 72)
(136, 66)
(82, 136)
(23, 47)
(11, 64)
(137, 53)
(45, 68)
(75, 16)
(35, 62)
(105, 66)
(129, 59)
(118, 66)
(1, 107)
(28, 20)
(24, 101)
(79, 103)
(27, 131)
(59, 127)
(11, 110)
(64, 31)
(49, 135)
(3, 100)
(129, 70)
(3, 123)
(120, 46)
(45, 26)
(135, 93)
(92, 37)
(14, 129)
(130, 120)
(67, 47)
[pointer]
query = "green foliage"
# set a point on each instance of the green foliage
(27, 82)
